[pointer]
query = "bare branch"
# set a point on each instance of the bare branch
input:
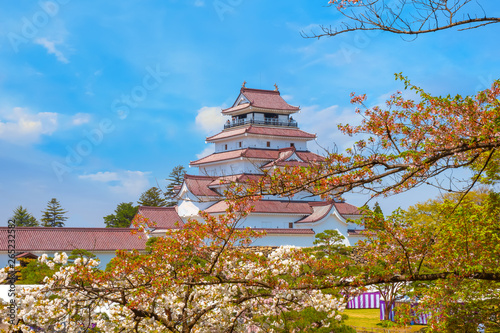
(403, 17)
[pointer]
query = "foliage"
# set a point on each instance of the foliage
(152, 198)
(403, 314)
(390, 293)
(175, 178)
(123, 216)
(451, 252)
(330, 242)
(82, 254)
(54, 215)
(24, 219)
(405, 17)
(306, 320)
(150, 243)
(386, 323)
(409, 143)
(32, 271)
(196, 279)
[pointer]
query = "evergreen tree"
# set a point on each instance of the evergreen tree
(153, 198)
(24, 219)
(175, 179)
(124, 213)
(378, 217)
(53, 216)
(377, 209)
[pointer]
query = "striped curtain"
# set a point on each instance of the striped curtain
(420, 319)
(365, 301)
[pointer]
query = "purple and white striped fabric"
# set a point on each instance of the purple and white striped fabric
(382, 311)
(420, 319)
(365, 301)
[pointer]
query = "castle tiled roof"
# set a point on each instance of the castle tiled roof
(239, 178)
(285, 231)
(320, 210)
(199, 185)
(269, 206)
(260, 130)
(255, 153)
(30, 239)
(264, 99)
(347, 209)
(164, 217)
(310, 212)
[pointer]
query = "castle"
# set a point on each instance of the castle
(259, 135)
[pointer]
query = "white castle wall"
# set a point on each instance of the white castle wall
(232, 168)
(258, 142)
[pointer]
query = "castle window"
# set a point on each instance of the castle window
(292, 144)
(268, 143)
(290, 225)
(225, 147)
(239, 143)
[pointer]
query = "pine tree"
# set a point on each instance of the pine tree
(53, 216)
(24, 219)
(124, 213)
(153, 198)
(378, 217)
(377, 209)
(176, 178)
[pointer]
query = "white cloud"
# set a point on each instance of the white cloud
(80, 119)
(131, 183)
(207, 151)
(22, 127)
(101, 176)
(199, 3)
(210, 119)
(323, 123)
(51, 49)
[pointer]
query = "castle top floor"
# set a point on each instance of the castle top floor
(260, 107)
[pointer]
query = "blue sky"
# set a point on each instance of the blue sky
(100, 100)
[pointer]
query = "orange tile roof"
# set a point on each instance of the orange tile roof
(164, 217)
(258, 130)
(320, 210)
(346, 209)
(67, 239)
(265, 99)
(284, 231)
(269, 206)
(256, 153)
(198, 185)
(240, 178)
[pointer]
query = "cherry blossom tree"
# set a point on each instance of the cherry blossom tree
(196, 279)
(405, 144)
(450, 250)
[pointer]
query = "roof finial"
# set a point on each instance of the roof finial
(276, 87)
(243, 85)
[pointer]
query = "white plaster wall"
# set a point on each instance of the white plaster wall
(268, 221)
(280, 240)
(230, 168)
(190, 205)
(104, 257)
(258, 142)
